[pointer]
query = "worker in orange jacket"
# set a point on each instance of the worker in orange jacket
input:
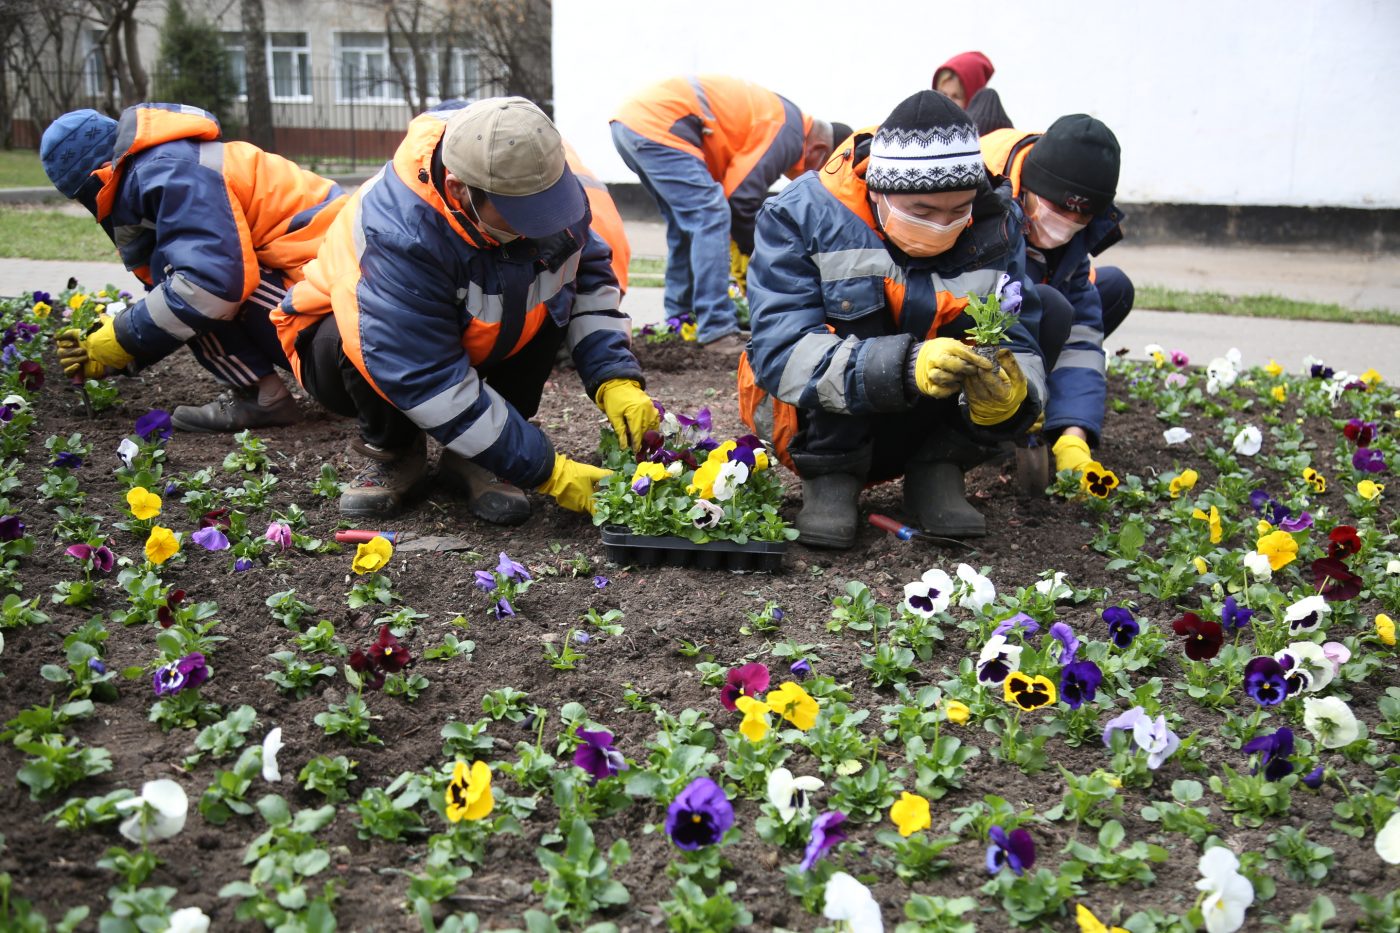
(707, 148)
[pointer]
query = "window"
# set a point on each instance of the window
(362, 60)
(94, 64)
(288, 57)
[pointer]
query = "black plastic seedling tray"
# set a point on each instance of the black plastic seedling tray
(670, 551)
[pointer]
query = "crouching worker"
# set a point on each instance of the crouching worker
(858, 283)
(438, 301)
(1065, 180)
(217, 231)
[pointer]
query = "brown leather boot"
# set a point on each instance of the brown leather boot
(488, 498)
(386, 479)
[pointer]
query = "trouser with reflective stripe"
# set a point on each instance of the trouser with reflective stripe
(332, 379)
(1116, 293)
(241, 351)
(827, 442)
(697, 230)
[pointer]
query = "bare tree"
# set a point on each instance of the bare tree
(127, 82)
(514, 38)
(260, 129)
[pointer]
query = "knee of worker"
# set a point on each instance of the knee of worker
(1056, 318)
(1116, 293)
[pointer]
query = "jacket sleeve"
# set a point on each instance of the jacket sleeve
(1078, 387)
(600, 335)
(204, 253)
(795, 355)
(749, 180)
(410, 333)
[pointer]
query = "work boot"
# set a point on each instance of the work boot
(386, 480)
(235, 411)
(936, 496)
(831, 485)
(488, 498)
(730, 345)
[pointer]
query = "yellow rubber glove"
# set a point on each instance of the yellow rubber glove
(994, 396)
(629, 409)
(944, 363)
(92, 356)
(571, 483)
(1071, 453)
(738, 267)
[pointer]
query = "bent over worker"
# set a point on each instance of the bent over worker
(216, 230)
(1065, 180)
(438, 301)
(860, 276)
(707, 148)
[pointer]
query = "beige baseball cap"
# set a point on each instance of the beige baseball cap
(507, 147)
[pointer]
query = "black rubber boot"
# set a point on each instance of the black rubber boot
(488, 498)
(831, 485)
(934, 491)
(386, 480)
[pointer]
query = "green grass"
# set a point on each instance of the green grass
(20, 168)
(33, 234)
(1158, 298)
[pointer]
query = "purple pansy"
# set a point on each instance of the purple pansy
(1122, 627)
(512, 570)
(101, 557)
(503, 608)
(1014, 850)
(1234, 616)
(484, 580)
(1264, 681)
(1069, 644)
(597, 756)
(1368, 460)
(1315, 777)
(826, 834)
(154, 424)
(600, 582)
(699, 816)
(11, 528)
(1079, 683)
(1273, 750)
(1019, 620)
(185, 674)
(211, 539)
(67, 460)
(242, 564)
(801, 668)
(746, 680)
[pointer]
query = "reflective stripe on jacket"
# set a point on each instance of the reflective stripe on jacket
(196, 219)
(1078, 386)
(422, 298)
(746, 135)
(837, 310)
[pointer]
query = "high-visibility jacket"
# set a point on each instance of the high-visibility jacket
(201, 221)
(837, 309)
(607, 222)
(746, 135)
(1078, 388)
(422, 297)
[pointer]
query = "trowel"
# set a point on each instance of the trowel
(405, 540)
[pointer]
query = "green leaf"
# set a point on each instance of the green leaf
(275, 810)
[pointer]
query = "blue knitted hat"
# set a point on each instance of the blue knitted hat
(76, 145)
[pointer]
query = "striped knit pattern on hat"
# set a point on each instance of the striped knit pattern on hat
(928, 144)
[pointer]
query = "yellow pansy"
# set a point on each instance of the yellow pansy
(760, 460)
(1097, 481)
(42, 310)
(1201, 566)
(957, 712)
(77, 301)
(652, 471)
(688, 332)
(1026, 692)
(1262, 528)
(144, 503)
(469, 794)
(794, 704)
(1279, 547)
(910, 814)
(1273, 369)
(1371, 378)
(1279, 393)
(372, 555)
(161, 545)
(1316, 480)
(1385, 629)
(1369, 490)
(721, 453)
(1213, 520)
(1180, 484)
(702, 484)
(1088, 923)
(755, 724)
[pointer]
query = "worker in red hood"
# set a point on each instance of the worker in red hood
(962, 76)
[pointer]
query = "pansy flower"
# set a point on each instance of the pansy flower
(1330, 721)
(1264, 681)
(102, 559)
(794, 704)
(1359, 432)
(1069, 644)
(596, 755)
(801, 669)
(1097, 481)
(1028, 693)
(1248, 441)
(1334, 581)
(1368, 460)
(1280, 547)
(746, 680)
(1385, 629)
(31, 375)
(997, 660)
(1320, 371)
(154, 424)
(1306, 614)
(187, 673)
(979, 591)
(1088, 923)
(468, 794)
(161, 545)
(755, 723)
(1122, 627)
(67, 460)
(791, 796)
(511, 570)
(143, 503)
(1079, 683)
(503, 609)
(1203, 636)
(1342, 542)
(699, 816)
(1014, 850)
(1313, 779)
(826, 834)
(278, 533)
(1316, 480)
(373, 555)
(930, 594)
(1183, 483)
(1150, 735)
(1233, 616)
(166, 614)
(484, 580)
(1212, 520)
(11, 528)
(910, 814)
(211, 539)
(1307, 666)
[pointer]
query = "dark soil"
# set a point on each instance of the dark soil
(662, 608)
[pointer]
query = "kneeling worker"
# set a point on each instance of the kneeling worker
(438, 301)
(859, 279)
(217, 231)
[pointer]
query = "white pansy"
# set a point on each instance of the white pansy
(980, 591)
(1306, 614)
(731, 476)
(188, 920)
(846, 899)
(126, 451)
(17, 402)
(675, 468)
(1314, 661)
(1228, 893)
(1220, 374)
(1235, 358)
(1330, 721)
(1258, 565)
(1176, 435)
(1154, 349)
(272, 744)
(1248, 441)
(791, 796)
(160, 811)
(928, 595)
(1392, 566)
(1388, 840)
(1055, 587)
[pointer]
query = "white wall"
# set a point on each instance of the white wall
(1283, 102)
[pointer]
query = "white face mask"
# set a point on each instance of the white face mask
(500, 236)
(1049, 228)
